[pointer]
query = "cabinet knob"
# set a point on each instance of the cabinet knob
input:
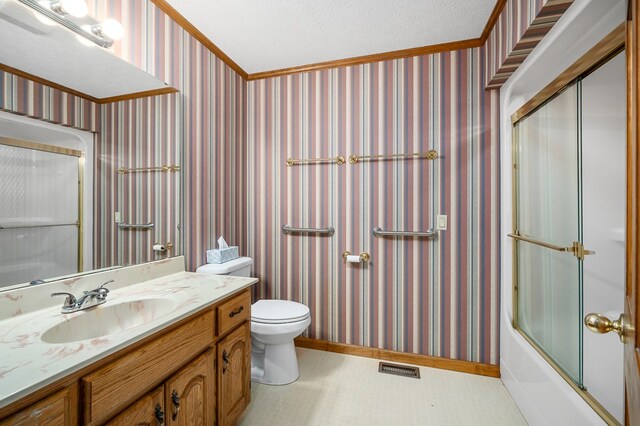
(236, 312)
(175, 399)
(159, 415)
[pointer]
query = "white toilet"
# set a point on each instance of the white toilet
(274, 325)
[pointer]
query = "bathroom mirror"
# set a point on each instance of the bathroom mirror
(75, 198)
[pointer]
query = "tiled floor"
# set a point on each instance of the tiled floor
(335, 389)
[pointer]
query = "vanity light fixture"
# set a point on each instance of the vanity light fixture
(77, 8)
(72, 14)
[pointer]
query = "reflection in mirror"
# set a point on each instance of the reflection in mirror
(137, 192)
(84, 184)
(129, 193)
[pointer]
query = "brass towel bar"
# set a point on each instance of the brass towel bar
(76, 224)
(429, 155)
(163, 168)
(353, 159)
(577, 249)
(339, 160)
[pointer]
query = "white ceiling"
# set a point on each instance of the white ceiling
(55, 54)
(265, 35)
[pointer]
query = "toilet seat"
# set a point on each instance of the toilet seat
(269, 311)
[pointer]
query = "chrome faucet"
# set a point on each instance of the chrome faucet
(88, 299)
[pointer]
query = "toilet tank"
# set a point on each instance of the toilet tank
(240, 267)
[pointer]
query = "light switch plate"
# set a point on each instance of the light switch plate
(117, 217)
(441, 224)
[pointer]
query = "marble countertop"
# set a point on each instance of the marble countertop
(28, 364)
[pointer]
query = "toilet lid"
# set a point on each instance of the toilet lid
(269, 311)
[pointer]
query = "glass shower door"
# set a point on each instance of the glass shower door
(547, 232)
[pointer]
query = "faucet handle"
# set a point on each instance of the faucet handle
(69, 301)
(103, 288)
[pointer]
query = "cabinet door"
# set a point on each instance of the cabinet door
(61, 408)
(147, 411)
(234, 374)
(190, 396)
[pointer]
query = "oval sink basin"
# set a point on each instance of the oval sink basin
(106, 319)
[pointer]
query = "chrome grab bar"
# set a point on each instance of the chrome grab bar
(149, 225)
(286, 229)
(429, 233)
(38, 226)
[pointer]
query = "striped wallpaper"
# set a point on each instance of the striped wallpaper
(520, 27)
(436, 298)
(136, 133)
(25, 97)
(209, 119)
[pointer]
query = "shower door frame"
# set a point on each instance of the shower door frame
(610, 46)
(58, 150)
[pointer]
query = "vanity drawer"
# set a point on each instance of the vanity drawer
(112, 388)
(234, 312)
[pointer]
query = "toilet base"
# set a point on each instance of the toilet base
(274, 364)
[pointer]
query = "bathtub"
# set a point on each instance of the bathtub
(541, 394)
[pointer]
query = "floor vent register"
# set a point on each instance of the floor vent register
(399, 370)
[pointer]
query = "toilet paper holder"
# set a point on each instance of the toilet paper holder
(162, 248)
(364, 256)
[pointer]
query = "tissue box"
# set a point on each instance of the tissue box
(222, 255)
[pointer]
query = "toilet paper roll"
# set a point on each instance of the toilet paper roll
(354, 258)
(159, 247)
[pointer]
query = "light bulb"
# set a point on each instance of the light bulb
(77, 8)
(112, 29)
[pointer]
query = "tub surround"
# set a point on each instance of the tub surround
(29, 364)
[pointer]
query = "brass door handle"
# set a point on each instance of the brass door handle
(600, 324)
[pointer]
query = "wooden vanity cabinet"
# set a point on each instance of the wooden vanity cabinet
(234, 374)
(187, 398)
(234, 358)
(194, 373)
(190, 395)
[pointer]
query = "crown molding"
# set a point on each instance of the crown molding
(377, 57)
(493, 18)
(70, 91)
(137, 95)
(44, 81)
